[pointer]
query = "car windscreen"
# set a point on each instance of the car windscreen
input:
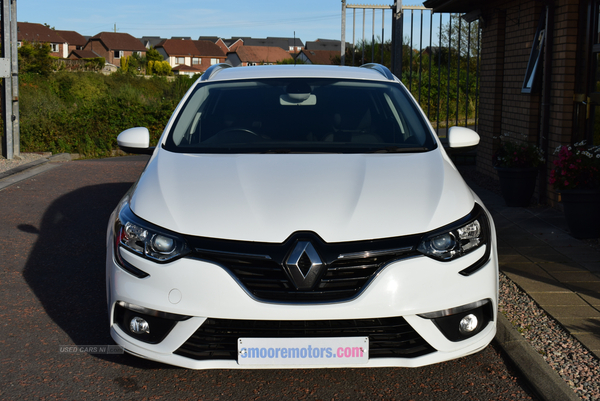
(296, 115)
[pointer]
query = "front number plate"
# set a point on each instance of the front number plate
(303, 351)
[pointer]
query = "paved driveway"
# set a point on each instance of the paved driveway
(52, 233)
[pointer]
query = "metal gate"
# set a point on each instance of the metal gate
(438, 59)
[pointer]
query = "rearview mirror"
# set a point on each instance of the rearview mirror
(461, 138)
(135, 140)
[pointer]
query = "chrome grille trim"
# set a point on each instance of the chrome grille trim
(374, 254)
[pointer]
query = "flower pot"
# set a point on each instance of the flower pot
(517, 184)
(582, 211)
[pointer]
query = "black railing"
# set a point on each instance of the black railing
(442, 73)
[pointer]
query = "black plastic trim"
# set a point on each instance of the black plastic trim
(448, 325)
(138, 151)
(383, 70)
(258, 266)
(160, 327)
(214, 70)
(390, 337)
(479, 264)
(128, 267)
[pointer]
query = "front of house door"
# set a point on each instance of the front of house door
(588, 112)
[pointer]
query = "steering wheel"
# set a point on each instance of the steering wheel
(229, 130)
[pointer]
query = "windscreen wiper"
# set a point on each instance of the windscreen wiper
(398, 149)
(277, 151)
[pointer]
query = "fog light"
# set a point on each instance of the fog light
(140, 326)
(468, 324)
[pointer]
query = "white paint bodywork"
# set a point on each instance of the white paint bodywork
(268, 197)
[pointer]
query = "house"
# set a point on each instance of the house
(199, 54)
(38, 33)
(150, 41)
(183, 69)
(74, 40)
(227, 45)
(79, 54)
(256, 55)
(324, 57)
(113, 46)
(292, 45)
(326, 44)
(538, 81)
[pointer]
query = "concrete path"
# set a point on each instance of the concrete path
(561, 273)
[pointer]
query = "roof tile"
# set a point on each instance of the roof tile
(119, 41)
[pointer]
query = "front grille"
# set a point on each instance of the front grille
(258, 266)
(268, 281)
(388, 337)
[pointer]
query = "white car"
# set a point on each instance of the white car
(300, 217)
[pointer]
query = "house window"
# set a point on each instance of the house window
(118, 53)
(196, 60)
(139, 54)
(533, 77)
(180, 60)
(54, 47)
(214, 61)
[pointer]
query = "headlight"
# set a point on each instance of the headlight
(146, 239)
(457, 239)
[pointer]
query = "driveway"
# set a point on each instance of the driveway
(52, 298)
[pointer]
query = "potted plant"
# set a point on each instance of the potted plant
(576, 175)
(517, 165)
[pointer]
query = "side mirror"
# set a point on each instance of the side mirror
(462, 138)
(135, 140)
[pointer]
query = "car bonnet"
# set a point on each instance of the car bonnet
(267, 197)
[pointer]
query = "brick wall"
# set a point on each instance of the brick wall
(563, 80)
(490, 97)
(506, 46)
(98, 47)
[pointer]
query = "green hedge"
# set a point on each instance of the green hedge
(84, 112)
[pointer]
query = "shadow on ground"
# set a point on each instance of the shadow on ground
(66, 268)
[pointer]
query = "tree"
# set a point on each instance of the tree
(290, 60)
(158, 68)
(153, 55)
(125, 64)
(469, 44)
(35, 58)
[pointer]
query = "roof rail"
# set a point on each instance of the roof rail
(213, 70)
(383, 70)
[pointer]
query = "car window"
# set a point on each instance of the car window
(299, 115)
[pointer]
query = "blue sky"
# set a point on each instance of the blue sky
(310, 19)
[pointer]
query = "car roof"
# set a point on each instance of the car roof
(224, 72)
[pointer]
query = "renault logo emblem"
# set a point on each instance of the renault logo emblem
(303, 265)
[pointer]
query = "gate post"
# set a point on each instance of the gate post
(5, 74)
(343, 47)
(14, 66)
(397, 38)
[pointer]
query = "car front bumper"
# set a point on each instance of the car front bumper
(199, 290)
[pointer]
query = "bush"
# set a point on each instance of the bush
(159, 68)
(35, 58)
(84, 112)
